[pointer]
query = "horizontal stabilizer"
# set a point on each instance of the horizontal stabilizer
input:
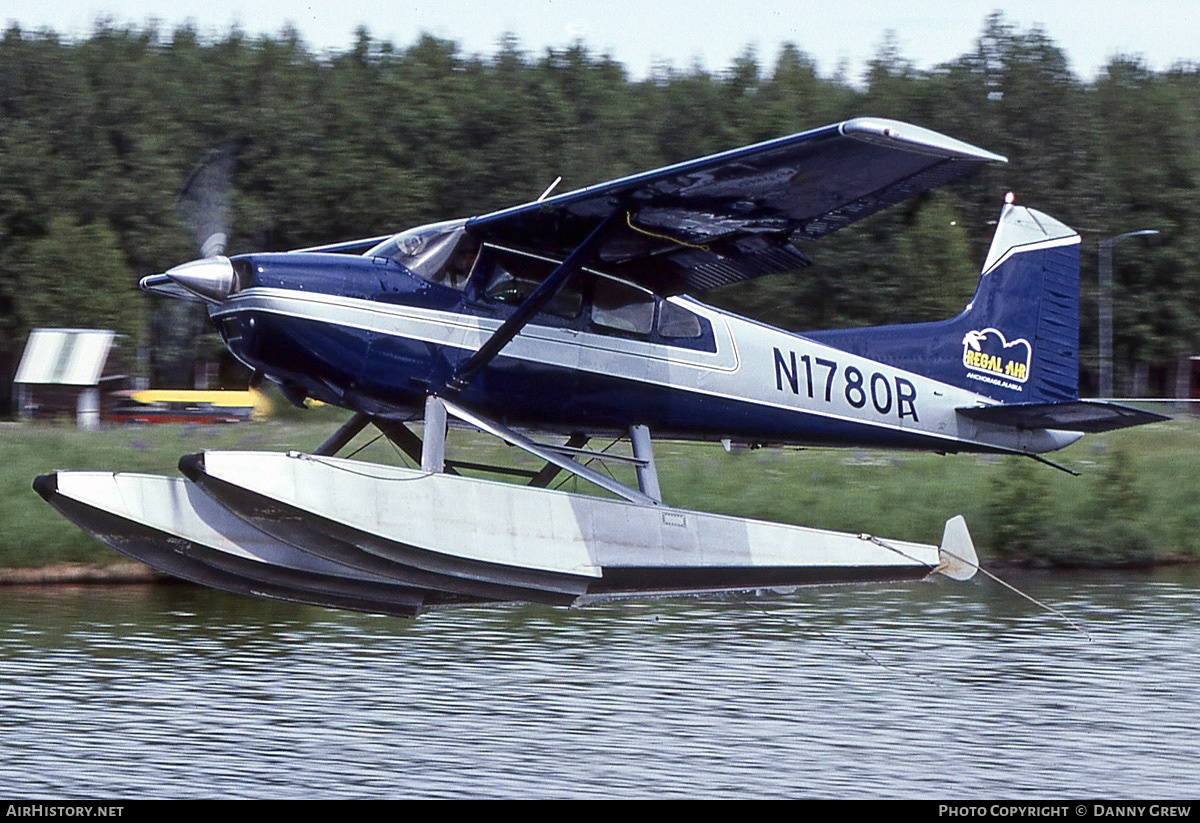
(1077, 415)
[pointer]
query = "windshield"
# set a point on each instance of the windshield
(440, 252)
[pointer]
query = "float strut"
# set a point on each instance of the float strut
(345, 433)
(647, 472)
(550, 471)
(433, 447)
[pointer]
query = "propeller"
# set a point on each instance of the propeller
(204, 208)
(203, 203)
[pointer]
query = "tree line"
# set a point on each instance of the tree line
(96, 136)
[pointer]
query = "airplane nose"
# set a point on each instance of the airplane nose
(211, 278)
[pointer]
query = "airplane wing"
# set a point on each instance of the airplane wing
(734, 216)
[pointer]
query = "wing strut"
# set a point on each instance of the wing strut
(465, 372)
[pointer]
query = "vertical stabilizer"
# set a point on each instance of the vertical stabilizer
(1017, 341)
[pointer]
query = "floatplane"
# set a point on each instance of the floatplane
(567, 318)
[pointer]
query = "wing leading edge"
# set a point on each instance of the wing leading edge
(733, 216)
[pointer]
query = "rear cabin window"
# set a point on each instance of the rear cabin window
(622, 307)
(677, 323)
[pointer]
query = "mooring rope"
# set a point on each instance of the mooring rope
(873, 539)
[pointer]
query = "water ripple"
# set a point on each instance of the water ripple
(884, 691)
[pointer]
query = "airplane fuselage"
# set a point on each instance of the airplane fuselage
(367, 334)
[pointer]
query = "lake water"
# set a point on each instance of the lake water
(934, 690)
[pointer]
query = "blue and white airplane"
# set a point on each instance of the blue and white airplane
(573, 315)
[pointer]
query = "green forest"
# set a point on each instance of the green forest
(98, 134)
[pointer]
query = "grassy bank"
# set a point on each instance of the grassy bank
(1137, 499)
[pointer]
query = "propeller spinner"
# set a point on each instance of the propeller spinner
(211, 278)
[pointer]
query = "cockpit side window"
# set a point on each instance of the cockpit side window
(458, 265)
(510, 278)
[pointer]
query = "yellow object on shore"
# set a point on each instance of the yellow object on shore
(252, 399)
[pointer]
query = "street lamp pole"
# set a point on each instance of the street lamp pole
(1106, 308)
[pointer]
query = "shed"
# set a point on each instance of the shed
(68, 371)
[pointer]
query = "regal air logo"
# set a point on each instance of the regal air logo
(988, 352)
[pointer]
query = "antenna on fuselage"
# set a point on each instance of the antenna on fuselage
(550, 188)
